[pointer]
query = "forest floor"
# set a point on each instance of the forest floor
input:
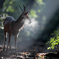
(25, 55)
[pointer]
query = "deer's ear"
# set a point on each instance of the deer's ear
(24, 7)
(20, 8)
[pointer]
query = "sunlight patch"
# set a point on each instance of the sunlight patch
(33, 26)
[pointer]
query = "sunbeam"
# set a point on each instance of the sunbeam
(32, 26)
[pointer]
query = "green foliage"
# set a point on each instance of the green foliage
(38, 5)
(33, 13)
(11, 7)
(53, 41)
(39, 11)
(44, 18)
(40, 2)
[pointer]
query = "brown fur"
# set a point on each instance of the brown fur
(13, 27)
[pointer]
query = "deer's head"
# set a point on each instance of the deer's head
(24, 14)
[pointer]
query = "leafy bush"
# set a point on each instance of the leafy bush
(53, 41)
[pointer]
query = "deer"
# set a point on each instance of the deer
(13, 27)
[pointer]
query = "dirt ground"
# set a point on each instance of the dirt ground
(25, 55)
(12, 55)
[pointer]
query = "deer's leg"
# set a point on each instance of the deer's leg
(4, 40)
(10, 46)
(8, 42)
(16, 44)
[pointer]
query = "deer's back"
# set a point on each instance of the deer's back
(8, 20)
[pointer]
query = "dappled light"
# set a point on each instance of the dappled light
(31, 26)
(32, 35)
